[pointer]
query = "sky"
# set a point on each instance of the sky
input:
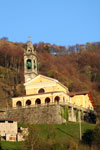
(60, 22)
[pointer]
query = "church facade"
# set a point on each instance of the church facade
(42, 90)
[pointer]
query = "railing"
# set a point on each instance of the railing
(51, 104)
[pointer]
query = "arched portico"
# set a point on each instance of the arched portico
(19, 104)
(56, 100)
(38, 101)
(28, 102)
(47, 100)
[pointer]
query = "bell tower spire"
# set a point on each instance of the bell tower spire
(30, 62)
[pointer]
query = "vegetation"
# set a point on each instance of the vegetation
(92, 137)
(61, 137)
(57, 136)
(64, 113)
(11, 145)
(0, 143)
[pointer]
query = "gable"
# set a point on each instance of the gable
(40, 79)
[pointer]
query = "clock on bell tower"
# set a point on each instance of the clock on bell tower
(30, 62)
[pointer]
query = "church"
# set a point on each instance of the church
(43, 90)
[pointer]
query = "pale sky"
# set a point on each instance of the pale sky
(61, 22)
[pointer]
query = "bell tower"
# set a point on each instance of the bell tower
(30, 62)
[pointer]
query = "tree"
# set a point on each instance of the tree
(4, 38)
(92, 137)
(32, 140)
(72, 146)
(96, 136)
(87, 138)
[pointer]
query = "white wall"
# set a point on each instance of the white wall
(8, 127)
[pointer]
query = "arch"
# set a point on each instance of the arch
(29, 64)
(19, 104)
(41, 90)
(57, 98)
(38, 101)
(28, 102)
(47, 100)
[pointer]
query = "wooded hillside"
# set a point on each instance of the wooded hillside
(77, 67)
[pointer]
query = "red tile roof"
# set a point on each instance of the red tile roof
(7, 119)
(78, 93)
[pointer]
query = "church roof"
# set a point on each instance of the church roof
(78, 93)
(51, 79)
(7, 119)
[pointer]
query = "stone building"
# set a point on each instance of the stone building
(8, 129)
(42, 90)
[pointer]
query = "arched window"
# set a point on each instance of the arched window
(19, 104)
(29, 64)
(47, 100)
(57, 98)
(28, 102)
(38, 101)
(41, 90)
(30, 50)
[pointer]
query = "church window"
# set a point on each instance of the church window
(19, 104)
(29, 50)
(41, 91)
(28, 102)
(57, 98)
(47, 100)
(38, 101)
(29, 64)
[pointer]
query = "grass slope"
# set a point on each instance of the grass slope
(69, 130)
(6, 145)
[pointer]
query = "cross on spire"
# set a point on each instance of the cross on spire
(29, 37)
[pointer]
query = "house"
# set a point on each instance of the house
(8, 129)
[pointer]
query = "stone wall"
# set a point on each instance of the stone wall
(48, 114)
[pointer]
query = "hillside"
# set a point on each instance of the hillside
(62, 134)
(77, 67)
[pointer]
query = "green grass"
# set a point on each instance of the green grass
(69, 130)
(6, 145)
(22, 125)
(60, 132)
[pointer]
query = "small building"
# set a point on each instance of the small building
(83, 99)
(8, 129)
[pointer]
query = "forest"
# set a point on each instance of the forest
(77, 67)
